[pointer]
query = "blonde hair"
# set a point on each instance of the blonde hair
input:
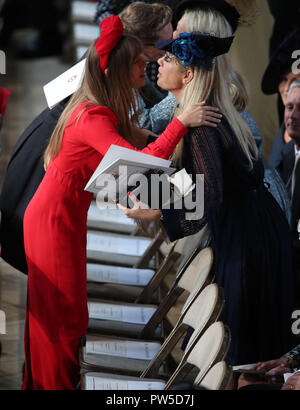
(113, 90)
(216, 86)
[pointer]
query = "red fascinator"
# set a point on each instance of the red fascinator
(4, 94)
(111, 31)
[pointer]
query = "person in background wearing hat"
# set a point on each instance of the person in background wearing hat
(25, 170)
(55, 220)
(286, 18)
(277, 79)
(250, 236)
(188, 15)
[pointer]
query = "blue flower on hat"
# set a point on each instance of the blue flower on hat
(186, 49)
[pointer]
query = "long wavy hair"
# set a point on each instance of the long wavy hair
(221, 87)
(113, 90)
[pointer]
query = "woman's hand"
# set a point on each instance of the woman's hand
(139, 136)
(140, 210)
(292, 383)
(200, 114)
(274, 368)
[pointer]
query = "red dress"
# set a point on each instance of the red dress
(55, 246)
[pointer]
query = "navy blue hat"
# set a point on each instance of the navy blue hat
(228, 11)
(196, 48)
(280, 62)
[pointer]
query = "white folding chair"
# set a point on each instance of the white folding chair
(138, 284)
(211, 347)
(217, 378)
(125, 319)
(132, 357)
(194, 275)
(204, 353)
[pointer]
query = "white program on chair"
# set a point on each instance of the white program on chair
(137, 284)
(101, 352)
(112, 220)
(118, 274)
(113, 346)
(209, 347)
(100, 381)
(104, 316)
(115, 248)
(120, 313)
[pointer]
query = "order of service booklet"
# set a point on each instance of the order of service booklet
(64, 85)
(125, 165)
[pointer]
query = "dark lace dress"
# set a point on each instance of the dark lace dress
(251, 242)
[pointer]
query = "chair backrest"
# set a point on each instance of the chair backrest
(203, 352)
(201, 312)
(218, 377)
(190, 281)
(197, 271)
(149, 253)
(205, 307)
(191, 246)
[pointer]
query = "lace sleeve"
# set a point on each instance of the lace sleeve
(294, 354)
(203, 154)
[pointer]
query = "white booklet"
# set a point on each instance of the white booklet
(92, 382)
(134, 162)
(117, 274)
(121, 313)
(108, 215)
(64, 85)
(116, 244)
(130, 349)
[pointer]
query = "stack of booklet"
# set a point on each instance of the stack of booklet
(121, 170)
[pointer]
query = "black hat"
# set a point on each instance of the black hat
(280, 62)
(197, 48)
(228, 11)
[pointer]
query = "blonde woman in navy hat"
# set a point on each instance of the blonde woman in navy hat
(250, 234)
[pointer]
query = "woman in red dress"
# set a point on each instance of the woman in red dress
(55, 220)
